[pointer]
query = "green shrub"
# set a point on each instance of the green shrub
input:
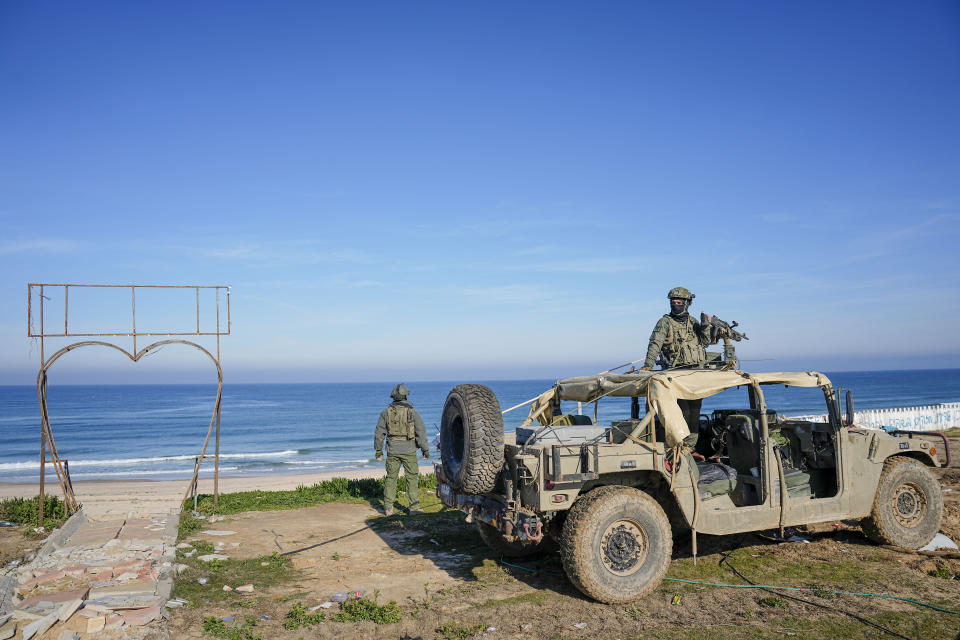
(25, 510)
(217, 628)
(300, 617)
(367, 609)
(453, 631)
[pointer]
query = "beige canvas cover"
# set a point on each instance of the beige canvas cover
(663, 389)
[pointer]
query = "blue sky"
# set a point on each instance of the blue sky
(437, 190)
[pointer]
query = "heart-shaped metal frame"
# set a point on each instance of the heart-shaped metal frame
(62, 474)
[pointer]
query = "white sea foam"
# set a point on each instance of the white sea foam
(13, 466)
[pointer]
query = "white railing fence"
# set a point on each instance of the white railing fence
(937, 417)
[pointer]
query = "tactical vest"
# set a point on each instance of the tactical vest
(682, 344)
(400, 422)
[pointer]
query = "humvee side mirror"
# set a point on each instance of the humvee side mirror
(848, 419)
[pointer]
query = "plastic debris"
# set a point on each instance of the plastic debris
(245, 588)
(227, 587)
(580, 625)
(202, 580)
(491, 628)
(5, 523)
(434, 542)
(228, 619)
(676, 599)
(339, 596)
(798, 539)
(265, 617)
(939, 541)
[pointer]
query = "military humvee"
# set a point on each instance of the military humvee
(614, 496)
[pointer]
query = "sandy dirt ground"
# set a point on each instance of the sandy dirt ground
(440, 573)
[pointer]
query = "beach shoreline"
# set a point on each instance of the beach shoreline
(107, 498)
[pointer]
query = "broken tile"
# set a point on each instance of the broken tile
(57, 598)
(95, 624)
(39, 627)
(69, 608)
(246, 588)
(114, 621)
(213, 556)
(218, 532)
(140, 617)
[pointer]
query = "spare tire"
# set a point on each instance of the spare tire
(471, 438)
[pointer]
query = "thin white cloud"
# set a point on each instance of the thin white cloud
(39, 245)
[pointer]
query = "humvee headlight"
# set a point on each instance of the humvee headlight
(560, 497)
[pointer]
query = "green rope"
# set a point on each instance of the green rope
(767, 586)
(842, 593)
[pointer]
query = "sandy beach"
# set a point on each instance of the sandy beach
(141, 497)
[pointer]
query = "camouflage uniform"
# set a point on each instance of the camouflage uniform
(405, 432)
(680, 341)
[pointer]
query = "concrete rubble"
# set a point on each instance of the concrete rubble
(91, 577)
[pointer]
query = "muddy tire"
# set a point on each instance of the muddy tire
(471, 438)
(516, 549)
(908, 505)
(616, 544)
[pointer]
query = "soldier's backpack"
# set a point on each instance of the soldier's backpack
(400, 422)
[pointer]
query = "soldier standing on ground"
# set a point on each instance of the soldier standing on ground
(678, 340)
(405, 432)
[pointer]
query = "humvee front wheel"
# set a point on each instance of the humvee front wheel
(511, 549)
(616, 544)
(908, 505)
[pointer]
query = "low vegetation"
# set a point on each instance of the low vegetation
(23, 511)
(299, 616)
(218, 629)
(262, 571)
(368, 609)
(333, 490)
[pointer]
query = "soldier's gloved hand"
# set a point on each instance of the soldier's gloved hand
(379, 456)
(426, 455)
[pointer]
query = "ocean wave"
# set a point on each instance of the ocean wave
(12, 466)
(183, 472)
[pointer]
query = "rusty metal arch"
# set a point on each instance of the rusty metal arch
(62, 475)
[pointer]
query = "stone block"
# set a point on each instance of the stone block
(114, 621)
(140, 617)
(69, 634)
(245, 588)
(68, 609)
(95, 624)
(8, 631)
(62, 596)
(132, 587)
(38, 627)
(213, 556)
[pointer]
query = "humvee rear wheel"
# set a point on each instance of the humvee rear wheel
(616, 544)
(471, 438)
(511, 549)
(908, 505)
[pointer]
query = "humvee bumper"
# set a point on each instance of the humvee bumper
(514, 525)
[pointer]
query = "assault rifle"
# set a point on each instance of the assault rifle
(723, 329)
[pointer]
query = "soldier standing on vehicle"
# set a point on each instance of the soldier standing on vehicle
(678, 340)
(405, 432)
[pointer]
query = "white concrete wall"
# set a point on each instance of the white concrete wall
(936, 417)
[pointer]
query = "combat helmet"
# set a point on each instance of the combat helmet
(400, 392)
(682, 293)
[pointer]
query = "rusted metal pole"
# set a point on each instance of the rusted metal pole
(43, 468)
(66, 297)
(198, 310)
(133, 302)
(216, 466)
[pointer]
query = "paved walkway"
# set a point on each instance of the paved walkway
(94, 578)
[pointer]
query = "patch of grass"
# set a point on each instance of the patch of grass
(823, 592)
(230, 572)
(218, 628)
(333, 490)
(188, 525)
(24, 511)
(298, 617)
(368, 609)
(773, 601)
(952, 432)
(535, 597)
(634, 612)
(453, 631)
(941, 572)
(489, 573)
